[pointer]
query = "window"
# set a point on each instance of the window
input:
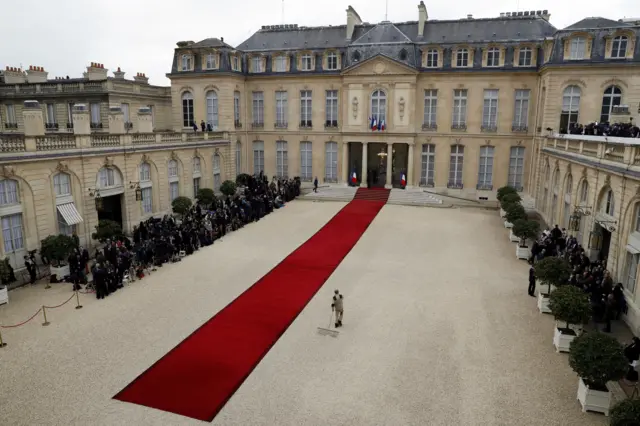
(306, 62)
(125, 113)
(145, 172)
(331, 162)
(281, 109)
(12, 233)
(570, 108)
(196, 166)
(217, 177)
(521, 111)
(196, 186)
(612, 97)
(51, 114)
(256, 64)
(8, 192)
(631, 272)
(62, 184)
(462, 58)
(430, 108)
(619, 47)
(485, 168)
(258, 157)
(490, 110)
(459, 109)
(525, 57)
(356, 56)
(567, 201)
(584, 193)
(493, 57)
(174, 184)
(70, 112)
(211, 99)
(11, 114)
(331, 108)
(95, 113)
(258, 108)
(403, 55)
(186, 62)
(280, 64)
(305, 108)
(516, 167)
(432, 58)
(187, 109)
(555, 190)
(63, 227)
(379, 106)
(211, 61)
(173, 169)
(238, 158)
(608, 203)
(174, 190)
(332, 61)
(107, 177)
(282, 162)
(637, 218)
(235, 63)
(428, 165)
(153, 115)
(455, 166)
(306, 163)
(147, 200)
(236, 109)
(577, 48)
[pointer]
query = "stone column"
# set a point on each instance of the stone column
(33, 121)
(116, 120)
(363, 178)
(81, 120)
(389, 162)
(410, 166)
(145, 120)
(345, 163)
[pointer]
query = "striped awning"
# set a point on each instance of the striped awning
(70, 213)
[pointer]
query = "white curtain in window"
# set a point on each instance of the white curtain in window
(12, 232)
(62, 184)
(147, 200)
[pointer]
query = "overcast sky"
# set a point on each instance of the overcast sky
(140, 35)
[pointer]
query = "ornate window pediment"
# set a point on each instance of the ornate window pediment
(332, 60)
(462, 56)
(306, 61)
(577, 46)
(432, 56)
(620, 44)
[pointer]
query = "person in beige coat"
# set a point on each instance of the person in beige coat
(338, 307)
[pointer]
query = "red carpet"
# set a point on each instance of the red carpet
(197, 377)
(372, 194)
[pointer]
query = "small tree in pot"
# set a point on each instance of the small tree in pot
(504, 191)
(181, 205)
(514, 212)
(228, 188)
(570, 305)
(598, 359)
(205, 196)
(107, 230)
(525, 229)
(625, 413)
(512, 198)
(57, 249)
(553, 271)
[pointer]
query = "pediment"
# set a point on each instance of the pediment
(379, 65)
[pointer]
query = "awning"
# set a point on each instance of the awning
(70, 213)
(631, 249)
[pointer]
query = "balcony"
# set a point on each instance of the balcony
(51, 127)
(11, 126)
(489, 128)
(280, 125)
(237, 124)
(55, 142)
(430, 127)
(306, 124)
(257, 125)
(484, 187)
(517, 128)
(12, 143)
(96, 126)
(460, 127)
(331, 124)
(609, 152)
(454, 185)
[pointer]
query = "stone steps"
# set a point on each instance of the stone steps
(413, 197)
(344, 193)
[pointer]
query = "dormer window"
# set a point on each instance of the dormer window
(256, 64)
(306, 62)
(493, 57)
(212, 61)
(462, 58)
(619, 47)
(235, 63)
(332, 61)
(524, 57)
(186, 62)
(577, 48)
(432, 58)
(280, 63)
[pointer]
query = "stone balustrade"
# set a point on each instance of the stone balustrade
(55, 142)
(605, 148)
(105, 140)
(12, 143)
(143, 138)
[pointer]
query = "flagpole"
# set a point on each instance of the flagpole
(282, 12)
(386, 10)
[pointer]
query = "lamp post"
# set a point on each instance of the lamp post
(95, 192)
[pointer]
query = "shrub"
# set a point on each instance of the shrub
(5, 272)
(228, 188)
(181, 205)
(205, 196)
(107, 230)
(570, 305)
(597, 358)
(243, 179)
(553, 271)
(525, 229)
(625, 413)
(514, 212)
(57, 248)
(504, 191)
(512, 198)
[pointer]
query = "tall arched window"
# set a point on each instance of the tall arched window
(567, 201)
(584, 193)
(62, 184)
(238, 158)
(607, 203)
(174, 180)
(554, 200)
(212, 109)
(570, 107)
(379, 107)
(612, 97)
(197, 175)
(187, 109)
(217, 177)
(545, 192)
(146, 187)
(11, 219)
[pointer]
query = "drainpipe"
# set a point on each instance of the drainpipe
(617, 246)
(536, 152)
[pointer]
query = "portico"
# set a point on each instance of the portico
(379, 163)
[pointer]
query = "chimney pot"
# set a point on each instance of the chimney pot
(222, 39)
(119, 69)
(469, 16)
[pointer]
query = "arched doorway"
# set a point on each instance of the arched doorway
(109, 195)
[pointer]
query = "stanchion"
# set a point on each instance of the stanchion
(48, 286)
(79, 306)
(2, 344)
(44, 313)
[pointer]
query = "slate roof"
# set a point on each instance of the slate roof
(384, 32)
(597, 22)
(210, 42)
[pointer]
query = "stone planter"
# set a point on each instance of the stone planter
(562, 338)
(508, 225)
(60, 271)
(4, 295)
(593, 400)
(543, 304)
(543, 288)
(523, 252)
(502, 213)
(513, 238)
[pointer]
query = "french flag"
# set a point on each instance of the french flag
(374, 126)
(370, 122)
(403, 180)
(382, 125)
(354, 178)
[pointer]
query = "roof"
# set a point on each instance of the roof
(597, 22)
(384, 32)
(210, 42)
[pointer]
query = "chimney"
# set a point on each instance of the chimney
(502, 14)
(119, 75)
(13, 75)
(222, 39)
(96, 72)
(546, 15)
(353, 19)
(422, 18)
(469, 16)
(141, 78)
(36, 74)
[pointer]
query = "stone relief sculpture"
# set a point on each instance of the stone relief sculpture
(354, 107)
(401, 107)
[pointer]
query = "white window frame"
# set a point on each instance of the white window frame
(521, 110)
(12, 232)
(70, 112)
(280, 63)
(331, 108)
(331, 162)
(62, 184)
(282, 160)
(637, 218)
(608, 203)
(430, 109)
(197, 166)
(186, 63)
(379, 106)
(612, 94)
(485, 168)
(462, 58)
(9, 192)
(456, 166)
(258, 157)
(258, 108)
(11, 114)
(432, 58)
(306, 62)
(238, 158)
(187, 110)
(281, 108)
(306, 105)
(257, 64)
(459, 119)
(306, 161)
(332, 61)
(211, 61)
(493, 57)
(211, 101)
(516, 167)
(568, 192)
(174, 190)
(145, 172)
(235, 63)
(107, 177)
(525, 57)
(236, 108)
(125, 113)
(577, 48)
(94, 108)
(619, 47)
(196, 186)
(427, 171)
(147, 200)
(172, 170)
(51, 113)
(490, 110)
(217, 173)
(571, 105)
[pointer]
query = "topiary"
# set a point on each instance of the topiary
(625, 413)
(525, 229)
(552, 271)
(205, 196)
(511, 198)
(57, 248)
(228, 188)
(597, 358)
(513, 212)
(501, 192)
(570, 305)
(181, 205)
(107, 230)
(243, 179)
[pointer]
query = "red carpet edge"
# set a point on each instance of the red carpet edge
(197, 377)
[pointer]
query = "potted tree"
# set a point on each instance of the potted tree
(205, 197)
(513, 212)
(228, 188)
(5, 278)
(525, 230)
(181, 205)
(553, 272)
(107, 230)
(243, 179)
(501, 192)
(507, 200)
(57, 249)
(625, 413)
(571, 306)
(598, 359)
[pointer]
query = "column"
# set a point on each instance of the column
(410, 166)
(389, 162)
(345, 163)
(363, 178)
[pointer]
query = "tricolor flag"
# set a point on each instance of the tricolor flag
(403, 180)
(382, 125)
(374, 126)
(370, 122)
(354, 178)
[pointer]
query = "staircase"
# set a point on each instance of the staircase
(413, 197)
(336, 193)
(372, 194)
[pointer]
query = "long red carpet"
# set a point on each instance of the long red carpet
(197, 377)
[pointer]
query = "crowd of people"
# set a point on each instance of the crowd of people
(607, 298)
(621, 130)
(157, 241)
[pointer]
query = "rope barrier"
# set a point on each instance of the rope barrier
(62, 304)
(22, 323)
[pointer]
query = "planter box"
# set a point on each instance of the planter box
(60, 271)
(502, 212)
(542, 288)
(543, 304)
(4, 295)
(508, 225)
(577, 328)
(593, 400)
(562, 338)
(513, 238)
(523, 252)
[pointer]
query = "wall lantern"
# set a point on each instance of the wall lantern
(98, 198)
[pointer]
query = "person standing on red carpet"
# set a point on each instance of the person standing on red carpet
(338, 307)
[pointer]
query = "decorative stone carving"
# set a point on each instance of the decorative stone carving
(354, 107)
(108, 162)
(145, 158)
(487, 142)
(62, 166)
(607, 180)
(401, 107)
(519, 143)
(8, 171)
(305, 138)
(583, 173)
(216, 151)
(429, 140)
(173, 156)
(196, 152)
(379, 68)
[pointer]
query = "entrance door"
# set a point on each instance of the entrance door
(111, 208)
(606, 242)
(355, 162)
(377, 165)
(399, 164)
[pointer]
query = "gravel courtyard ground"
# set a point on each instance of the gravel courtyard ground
(438, 330)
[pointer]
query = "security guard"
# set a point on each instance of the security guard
(338, 307)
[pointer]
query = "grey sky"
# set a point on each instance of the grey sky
(140, 35)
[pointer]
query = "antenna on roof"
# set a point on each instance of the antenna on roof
(386, 10)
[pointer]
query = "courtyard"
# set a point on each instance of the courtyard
(438, 330)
